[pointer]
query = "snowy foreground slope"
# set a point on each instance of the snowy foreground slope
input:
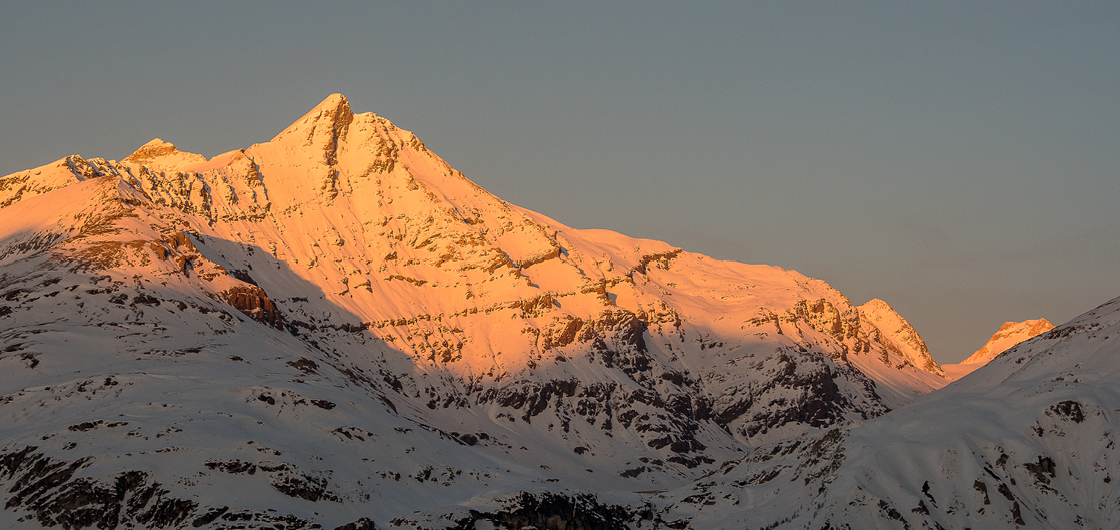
(1028, 440)
(337, 329)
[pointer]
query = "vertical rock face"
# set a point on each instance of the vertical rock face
(341, 287)
(1009, 334)
(254, 302)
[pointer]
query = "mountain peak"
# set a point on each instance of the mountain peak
(323, 126)
(336, 100)
(1009, 334)
(152, 149)
(158, 153)
(335, 108)
(878, 304)
(899, 336)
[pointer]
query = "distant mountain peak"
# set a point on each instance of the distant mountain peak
(1009, 334)
(158, 154)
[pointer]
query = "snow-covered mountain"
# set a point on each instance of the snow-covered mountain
(337, 328)
(1009, 334)
(1027, 440)
(902, 348)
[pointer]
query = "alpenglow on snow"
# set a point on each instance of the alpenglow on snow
(335, 328)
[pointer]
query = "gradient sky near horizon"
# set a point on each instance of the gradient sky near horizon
(959, 160)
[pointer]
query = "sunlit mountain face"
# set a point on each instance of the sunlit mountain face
(336, 329)
(1009, 334)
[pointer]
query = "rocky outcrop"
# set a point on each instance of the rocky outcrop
(51, 492)
(842, 324)
(796, 388)
(548, 511)
(255, 304)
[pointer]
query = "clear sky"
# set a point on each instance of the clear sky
(960, 160)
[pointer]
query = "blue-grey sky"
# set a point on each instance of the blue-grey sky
(960, 160)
